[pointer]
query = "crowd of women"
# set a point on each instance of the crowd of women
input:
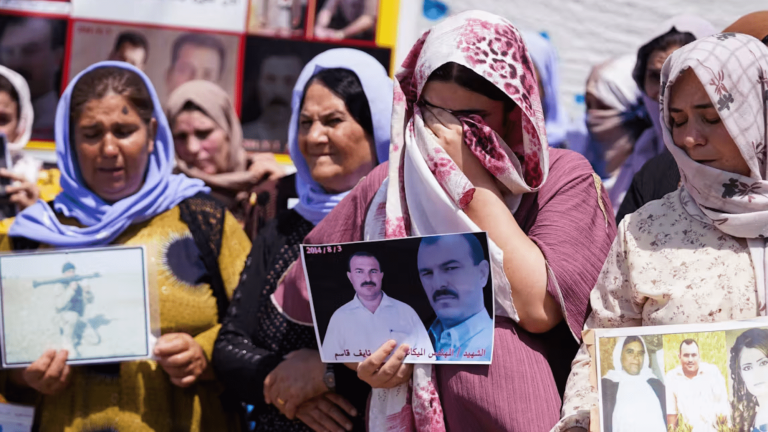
(468, 137)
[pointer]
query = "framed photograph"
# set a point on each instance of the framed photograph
(433, 293)
(346, 19)
(678, 378)
(271, 69)
(95, 303)
(278, 18)
(169, 57)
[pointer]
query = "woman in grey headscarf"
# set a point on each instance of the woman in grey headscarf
(668, 37)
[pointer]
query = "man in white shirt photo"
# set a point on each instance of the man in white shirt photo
(696, 391)
(372, 318)
(453, 271)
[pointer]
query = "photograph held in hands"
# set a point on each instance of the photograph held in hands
(433, 294)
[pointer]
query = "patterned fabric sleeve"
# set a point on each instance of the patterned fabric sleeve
(235, 247)
(614, 304)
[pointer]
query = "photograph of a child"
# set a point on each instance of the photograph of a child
(92, 303)
(433, 294)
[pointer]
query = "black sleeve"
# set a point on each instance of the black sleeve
(634, 199)
(240, 364)
(658, 177)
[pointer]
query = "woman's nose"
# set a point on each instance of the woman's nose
(110, 146)
(692, 137)
(317, 134)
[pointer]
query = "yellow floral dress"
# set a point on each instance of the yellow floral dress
(138, 396)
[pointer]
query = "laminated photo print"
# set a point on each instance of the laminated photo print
(95, 303)
(676, 378)
(433, 294)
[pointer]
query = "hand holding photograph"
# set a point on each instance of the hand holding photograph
(92, 302)
(433, 294)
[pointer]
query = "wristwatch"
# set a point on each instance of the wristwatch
(329, 378)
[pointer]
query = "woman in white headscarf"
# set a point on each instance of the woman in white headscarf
(633, 397)
(698, 254)
(16, 118)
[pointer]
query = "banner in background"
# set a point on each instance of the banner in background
(253, 49)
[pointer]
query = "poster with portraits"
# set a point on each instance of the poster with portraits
(433, 294)
(93, 302)
(693, 377)
(253, 49)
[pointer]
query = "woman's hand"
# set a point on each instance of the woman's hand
(21, 192)
(450, 136)
(379, 374)
(182, 358)
(295, 380)
(326, 413)
(48, 375)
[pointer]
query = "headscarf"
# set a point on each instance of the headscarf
(650, 143)
(616, 128)
(754, 24)
(545, 58)
(26, 166)
(215, 103)
(314, 202)
(638, 408)
(426, 192)
(102, 221)
(734, 71)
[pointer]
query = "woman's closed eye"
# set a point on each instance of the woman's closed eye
(202, 134)
(124, 131)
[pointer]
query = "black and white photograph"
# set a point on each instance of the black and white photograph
(433, 294)
(92, 302)
(272, 67)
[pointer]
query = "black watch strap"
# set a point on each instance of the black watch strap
(330, 377)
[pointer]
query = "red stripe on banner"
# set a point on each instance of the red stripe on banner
(67, 55)
(32, 14)
(240, 76)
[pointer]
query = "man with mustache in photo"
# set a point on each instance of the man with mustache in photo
(372, 318)
(453, 271)
(696, 390)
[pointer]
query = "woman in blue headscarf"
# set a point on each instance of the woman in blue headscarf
(339, 131)
(115, 154)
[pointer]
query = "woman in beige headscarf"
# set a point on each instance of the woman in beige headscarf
(208, 140)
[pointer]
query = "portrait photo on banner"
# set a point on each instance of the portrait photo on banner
(95, 303)
(278, 18)
(34, 47)
(271, 69)
(682, 378)
(169, 57)
(346, 19)
(433, 294)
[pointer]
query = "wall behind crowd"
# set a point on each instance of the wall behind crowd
(584, 32)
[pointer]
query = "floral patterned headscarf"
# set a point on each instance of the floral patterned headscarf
(734, 71)
(426, 192)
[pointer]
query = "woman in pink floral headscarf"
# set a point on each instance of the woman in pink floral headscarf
(469, 153)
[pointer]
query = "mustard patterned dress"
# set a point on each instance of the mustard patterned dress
(138, 396)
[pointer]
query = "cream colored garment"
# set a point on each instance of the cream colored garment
(664, 268)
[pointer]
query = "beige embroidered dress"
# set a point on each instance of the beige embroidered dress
(664, 268)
